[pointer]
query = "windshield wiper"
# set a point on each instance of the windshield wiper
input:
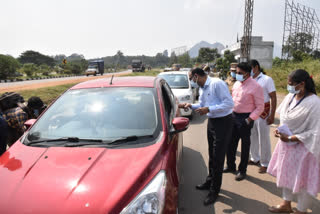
(68, 139)
(127, 139)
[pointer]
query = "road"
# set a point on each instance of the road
(253, 195)
(32, 84)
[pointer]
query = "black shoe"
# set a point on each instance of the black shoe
(204, 186)
(226, 170)
(240, 176)
(250, 162)
(210, 199)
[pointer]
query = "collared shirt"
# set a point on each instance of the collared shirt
(248, 98)
(215, 95)
(15, 118)
(267, 85)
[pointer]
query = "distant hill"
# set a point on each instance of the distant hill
(194, 51)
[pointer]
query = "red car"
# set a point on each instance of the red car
(104, 146)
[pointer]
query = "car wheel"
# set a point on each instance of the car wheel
(87, 74)
(94, 74)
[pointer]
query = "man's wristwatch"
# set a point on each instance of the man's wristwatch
(289, 138)
(247, 121)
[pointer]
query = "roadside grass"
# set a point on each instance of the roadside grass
(49, 94)
(153, 72)
(280, 73)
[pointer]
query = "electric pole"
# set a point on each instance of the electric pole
(247, 32)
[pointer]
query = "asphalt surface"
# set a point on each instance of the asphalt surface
(253, 195)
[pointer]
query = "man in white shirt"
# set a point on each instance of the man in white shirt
(260, 149)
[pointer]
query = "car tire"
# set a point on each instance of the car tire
(94, 74)
(87, 74)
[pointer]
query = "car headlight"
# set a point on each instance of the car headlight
(185, 98)
(151, 199)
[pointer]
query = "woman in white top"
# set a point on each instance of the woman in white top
(296, 159)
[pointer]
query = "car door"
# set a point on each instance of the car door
(175, 141)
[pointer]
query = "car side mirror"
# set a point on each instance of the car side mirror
(180, 124)
(29, 123)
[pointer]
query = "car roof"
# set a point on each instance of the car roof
(141, 81)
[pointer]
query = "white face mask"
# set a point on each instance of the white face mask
(292, 89)
(252, 73)
(194, 84)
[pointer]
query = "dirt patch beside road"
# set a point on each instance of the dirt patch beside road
(62, 82)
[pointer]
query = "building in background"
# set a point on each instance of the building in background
(260, 50)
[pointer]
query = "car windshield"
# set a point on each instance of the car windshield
(176, 80)
(99, 113)
(92, 66)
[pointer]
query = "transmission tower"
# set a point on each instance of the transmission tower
(301, 29)
(247, 32)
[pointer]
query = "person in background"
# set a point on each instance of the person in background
(13, 115)
(295, 161)
(248, 101)
(34, 107)
(260, 149)
(207, 70)
(3, 134)
(231, 79)
(216, 102)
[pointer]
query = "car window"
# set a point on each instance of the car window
(176, 81)
(97, 113)
(168, 99)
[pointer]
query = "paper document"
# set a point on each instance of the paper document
(284, 129)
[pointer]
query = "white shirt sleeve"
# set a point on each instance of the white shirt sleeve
(270, 85)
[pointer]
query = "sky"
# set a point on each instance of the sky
(98, 28)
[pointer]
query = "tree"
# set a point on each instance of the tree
(173, 58)
(75, 57)
(185, 60)
(119, 58)
(299, 56)
(207, 55)
(35, 58)
(298, 42)
(30, 69)
(276, 61)
(165, 53)
(316, 54)
(59, 58)
(76, 69)
(44, 69)
(229, 57)
(224, 63)
(8, 66)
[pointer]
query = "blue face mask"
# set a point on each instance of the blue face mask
(292, 89)
(36, 112)
(233, 74)
(239, 77)
(252, 74)
(193, 84)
